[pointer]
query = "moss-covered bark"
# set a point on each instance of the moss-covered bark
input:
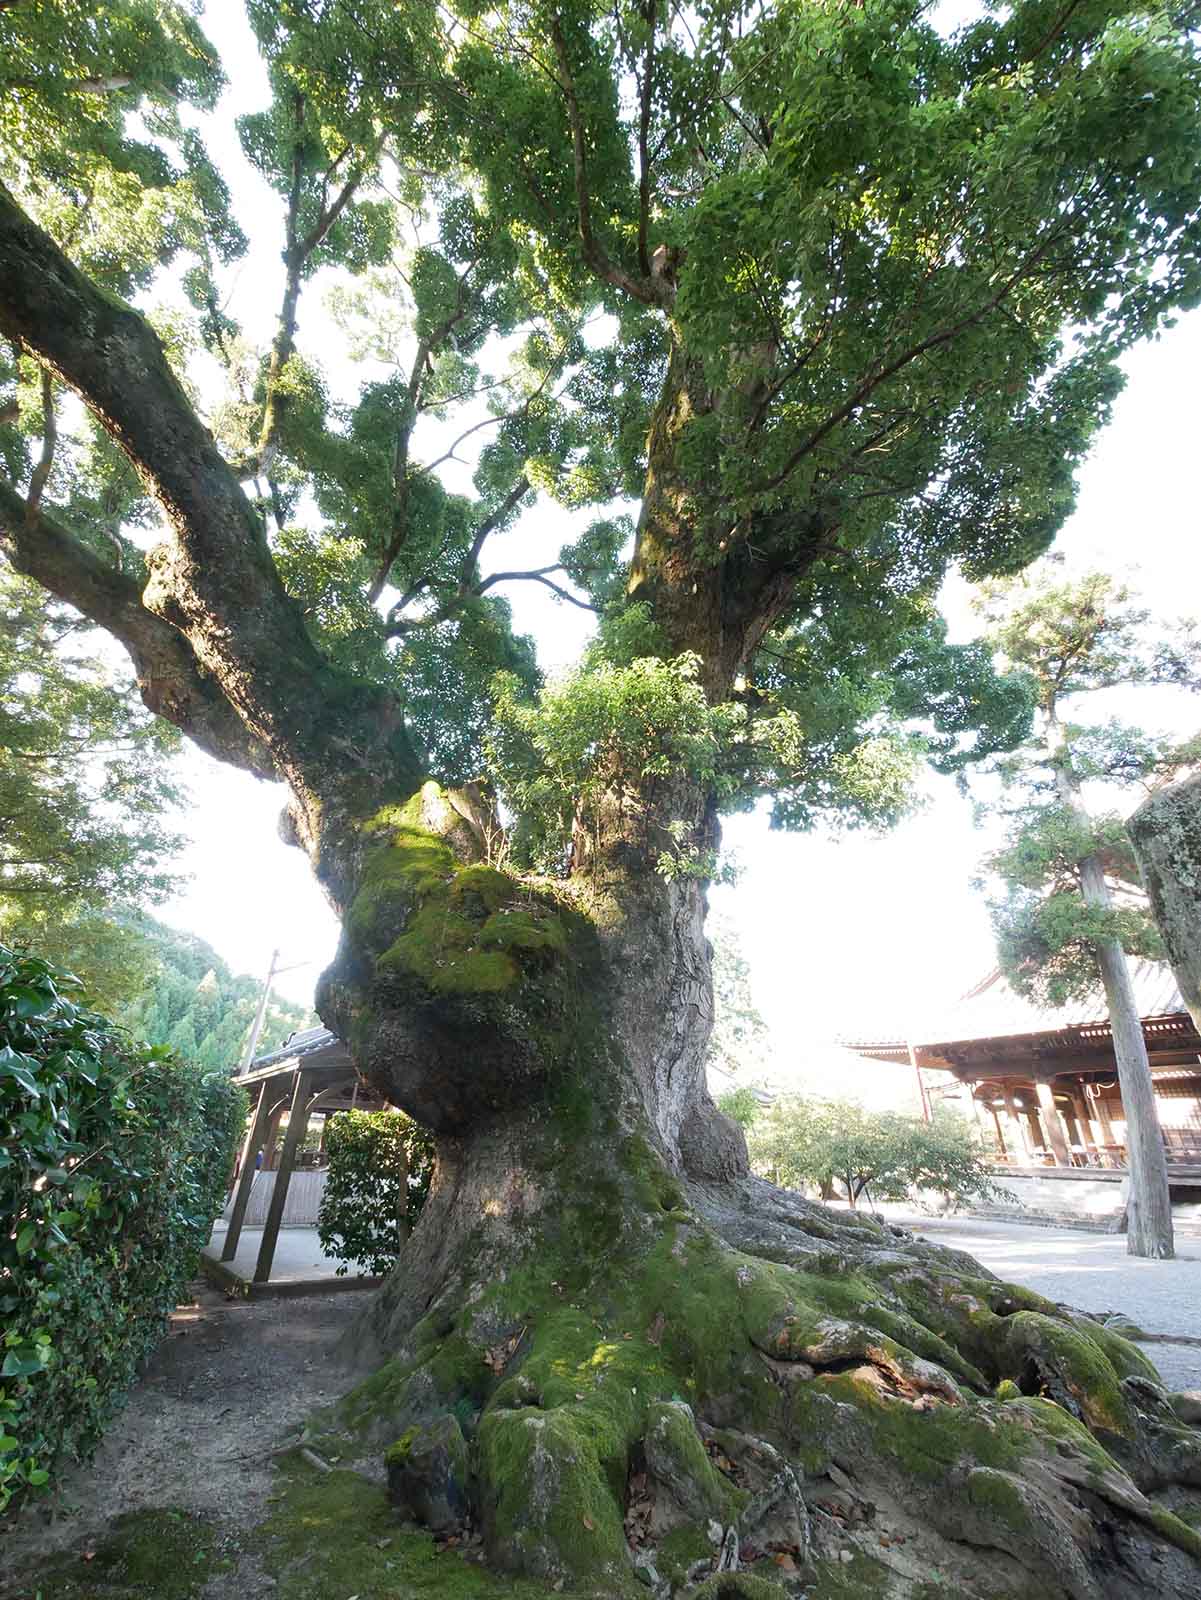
(634, 1400)
(621, 1368)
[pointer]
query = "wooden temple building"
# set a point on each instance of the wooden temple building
(278, 1181)
(1043, 1084)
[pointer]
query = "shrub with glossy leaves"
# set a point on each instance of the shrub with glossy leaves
(380, 1163)
(113, 1164)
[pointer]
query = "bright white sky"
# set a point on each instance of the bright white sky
(850, 935)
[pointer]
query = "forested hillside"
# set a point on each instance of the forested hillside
(195, 1004)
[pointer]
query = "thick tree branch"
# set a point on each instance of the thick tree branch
(297, 254)
(644, 126)
(651, 291)
(214, 579)
(538, 575)
(284, 342)
(426, 348)
(400, 473)
(490, 523)
(171, 680)
(398, 624)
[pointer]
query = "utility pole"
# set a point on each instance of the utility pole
(274, 971)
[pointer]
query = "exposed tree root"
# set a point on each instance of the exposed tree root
(738, 1390)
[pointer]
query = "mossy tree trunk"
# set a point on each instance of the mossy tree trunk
(605, 1347)
(619, 1359)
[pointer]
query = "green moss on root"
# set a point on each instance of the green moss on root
(147, 1555)
(1072, 1366)
(626, 1305)
(861, 1578)
(330, 1535)
(1175, 1529)
(738, 1586)
(679, 1551)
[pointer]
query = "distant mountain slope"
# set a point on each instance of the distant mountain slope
(195, 1004)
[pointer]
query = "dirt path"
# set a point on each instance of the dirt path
(230, 1383)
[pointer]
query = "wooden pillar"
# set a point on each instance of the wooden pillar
(271, 1137)
(297, 1119)
(1000, 1136)
(1103, 1118)
(246, 1175)
(1015, 1117)
(1083, 1119)
(971, 1094)
(1051, 1122)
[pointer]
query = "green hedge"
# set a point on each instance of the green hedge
(113, 1163)
(363, 1204)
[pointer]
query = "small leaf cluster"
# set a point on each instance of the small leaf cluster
(94, 140)
(380, 1165)
(851, 702)
(113, 1163)
(605, 734)
(1048, 844)
(836, 1144)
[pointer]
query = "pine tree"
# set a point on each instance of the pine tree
(1075, 910)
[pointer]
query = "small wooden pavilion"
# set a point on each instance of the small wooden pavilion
(1043, 1085)
(312, 1075)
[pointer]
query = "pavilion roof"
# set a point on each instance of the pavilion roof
(301, 1043)
(992, 1010)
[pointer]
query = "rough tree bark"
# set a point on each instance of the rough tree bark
(619, 1358)
(1166, 830)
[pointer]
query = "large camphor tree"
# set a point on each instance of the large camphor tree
(837, 299)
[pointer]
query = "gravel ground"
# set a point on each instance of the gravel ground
(1092, 1272)
(231, 1381)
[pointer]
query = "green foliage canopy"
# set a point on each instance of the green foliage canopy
(797, 1141)
(838, 295)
